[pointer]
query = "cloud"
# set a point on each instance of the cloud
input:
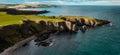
(53, 2)
(66, 2)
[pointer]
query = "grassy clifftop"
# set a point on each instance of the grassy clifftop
(7, 19)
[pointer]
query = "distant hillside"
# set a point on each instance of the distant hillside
(25, 6)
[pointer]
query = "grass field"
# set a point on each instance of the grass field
(6, 19)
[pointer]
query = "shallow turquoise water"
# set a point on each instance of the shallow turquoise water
(97, 41)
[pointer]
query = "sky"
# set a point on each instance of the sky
(66, 2)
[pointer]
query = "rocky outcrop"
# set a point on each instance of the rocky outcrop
(72, 25)
(83, 23)
(22, 12)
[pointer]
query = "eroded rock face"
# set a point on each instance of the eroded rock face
(83, 24)
(85, 21)
(60, 26)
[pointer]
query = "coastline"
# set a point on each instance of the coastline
(32, 27)
(69, 24)
(95, 40)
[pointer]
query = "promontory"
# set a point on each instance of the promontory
(15, 28)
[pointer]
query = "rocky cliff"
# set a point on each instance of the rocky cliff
(71, 24)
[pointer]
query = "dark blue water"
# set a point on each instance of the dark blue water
(97, 41)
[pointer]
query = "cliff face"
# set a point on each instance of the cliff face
(71, 24)
(59, 26)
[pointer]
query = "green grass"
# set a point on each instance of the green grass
(6, 19)
(45, 18)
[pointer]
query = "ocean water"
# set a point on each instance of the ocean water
(102, 40)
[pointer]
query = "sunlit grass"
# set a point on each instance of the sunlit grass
(45, 18)
(6, 19)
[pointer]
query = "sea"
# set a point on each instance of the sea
(104, 40)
